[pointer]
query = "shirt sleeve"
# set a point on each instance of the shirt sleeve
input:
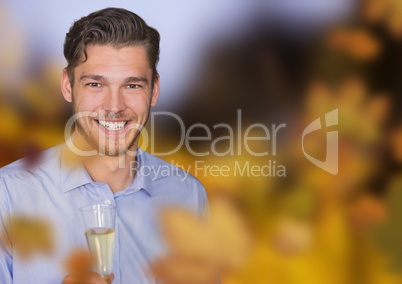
(6, 260)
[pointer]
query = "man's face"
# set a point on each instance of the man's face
(114, 87)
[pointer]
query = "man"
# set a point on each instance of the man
(111, 81)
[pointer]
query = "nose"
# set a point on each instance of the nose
(114, 101)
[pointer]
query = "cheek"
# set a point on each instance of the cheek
(139, 105)
(83, 103)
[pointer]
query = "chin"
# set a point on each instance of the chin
(113, 153)
(115, 150)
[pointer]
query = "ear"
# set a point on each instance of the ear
(155, 90)
(66, 86)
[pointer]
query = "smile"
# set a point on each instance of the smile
(112, 125)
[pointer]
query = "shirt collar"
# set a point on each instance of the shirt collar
(73, 176)
(141, 180)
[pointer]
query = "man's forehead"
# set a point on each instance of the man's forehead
(109, 57)
(107, 54)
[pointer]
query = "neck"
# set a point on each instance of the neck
(117, 172)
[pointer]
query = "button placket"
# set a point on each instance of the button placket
(105, 194)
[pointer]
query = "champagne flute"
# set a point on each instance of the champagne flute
(100, 222)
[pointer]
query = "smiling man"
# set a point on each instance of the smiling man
(112, 82)
(118, 86)
(113, 89)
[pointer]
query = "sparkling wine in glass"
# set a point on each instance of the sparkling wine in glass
(100, 225)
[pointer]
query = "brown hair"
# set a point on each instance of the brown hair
(114, 26)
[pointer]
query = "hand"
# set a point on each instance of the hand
(88, 278)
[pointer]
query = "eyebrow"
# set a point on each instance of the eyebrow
(93, 77)
(99, 78)
(133, 79)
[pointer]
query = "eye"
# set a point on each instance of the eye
(95, 85)
(133, 86)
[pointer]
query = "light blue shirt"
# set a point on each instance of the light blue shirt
(53, 191)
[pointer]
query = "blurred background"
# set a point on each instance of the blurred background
(288, 61)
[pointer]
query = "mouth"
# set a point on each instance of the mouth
(112, 125)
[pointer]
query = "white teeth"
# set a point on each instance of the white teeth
(112, 125)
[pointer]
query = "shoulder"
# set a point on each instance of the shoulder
(21, 180)
(29, 172)
(172, 182)
(32, 164)
(159, 169)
